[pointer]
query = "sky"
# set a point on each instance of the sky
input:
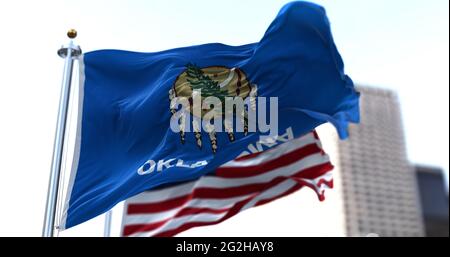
(400, 45)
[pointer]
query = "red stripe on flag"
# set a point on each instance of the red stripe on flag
(297, 155)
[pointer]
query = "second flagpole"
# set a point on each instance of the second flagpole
(107, 226)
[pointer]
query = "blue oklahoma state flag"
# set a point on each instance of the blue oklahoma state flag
(124, 142)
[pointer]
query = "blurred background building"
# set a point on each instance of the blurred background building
(434, 201)
(377, 186)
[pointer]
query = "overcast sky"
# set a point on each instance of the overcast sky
(400, 45)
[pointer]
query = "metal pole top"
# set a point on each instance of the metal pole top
(75, 50)
(72, 33)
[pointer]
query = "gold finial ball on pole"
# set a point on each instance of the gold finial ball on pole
(72, 33)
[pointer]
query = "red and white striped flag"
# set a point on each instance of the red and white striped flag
(245, 182)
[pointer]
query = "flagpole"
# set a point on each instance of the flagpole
(107, 228)
(68, 52)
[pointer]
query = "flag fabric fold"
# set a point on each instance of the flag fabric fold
(248, 181)
(124, 143)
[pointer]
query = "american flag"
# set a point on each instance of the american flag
(245, 182)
